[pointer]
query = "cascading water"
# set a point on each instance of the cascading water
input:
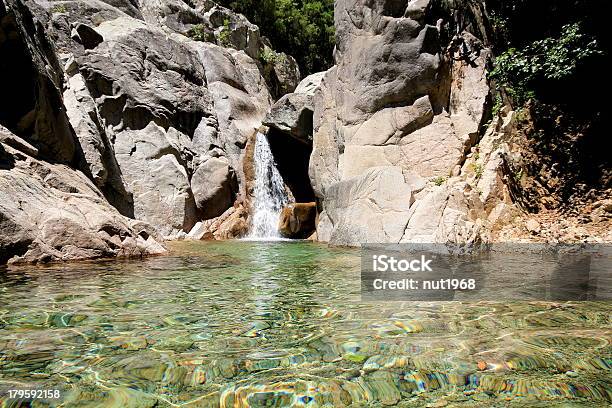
(270, 194)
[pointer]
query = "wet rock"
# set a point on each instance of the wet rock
(297, 220)
(129, 343)
(233, 223)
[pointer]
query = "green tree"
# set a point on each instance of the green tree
(301, 28)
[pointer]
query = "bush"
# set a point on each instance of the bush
(438, 181)
(200, 32)
(268, 56)
(225, 34)
(301, 28)
(547, 60)
(59, 8)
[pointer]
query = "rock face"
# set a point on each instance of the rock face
(50, 211)
(214, 186)
(130, 120)
(393, 121)
(162, 111)
(298, 220)
(293, 112)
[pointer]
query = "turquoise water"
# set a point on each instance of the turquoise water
(237, 324)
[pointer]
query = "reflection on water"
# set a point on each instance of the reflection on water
(237, 324)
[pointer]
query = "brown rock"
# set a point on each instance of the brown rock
(229, 225)
(533, 226)
(297, 220)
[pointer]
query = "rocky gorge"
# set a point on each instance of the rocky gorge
(126, 123)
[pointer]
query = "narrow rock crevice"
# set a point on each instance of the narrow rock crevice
(292, 159)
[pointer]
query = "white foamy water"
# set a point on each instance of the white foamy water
(270, 194)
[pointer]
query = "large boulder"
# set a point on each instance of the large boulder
(51, 212)
(393, 120)
(367, 208)
(214, 187)
(292, 113)
(152, 164)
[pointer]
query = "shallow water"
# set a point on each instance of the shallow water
(238, 324)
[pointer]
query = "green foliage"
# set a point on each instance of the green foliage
(550, 59)
(438, 181)
(498, 103)
(301, 28)
(59, 8)
(518, 175)
(199, 32)
(269, 56)
(477, 169)
(225, 34)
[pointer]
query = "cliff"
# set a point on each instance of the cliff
(413, 141)
(124, 123)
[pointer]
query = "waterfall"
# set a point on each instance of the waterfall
(270, 194)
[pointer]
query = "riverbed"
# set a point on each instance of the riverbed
(275, 324)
